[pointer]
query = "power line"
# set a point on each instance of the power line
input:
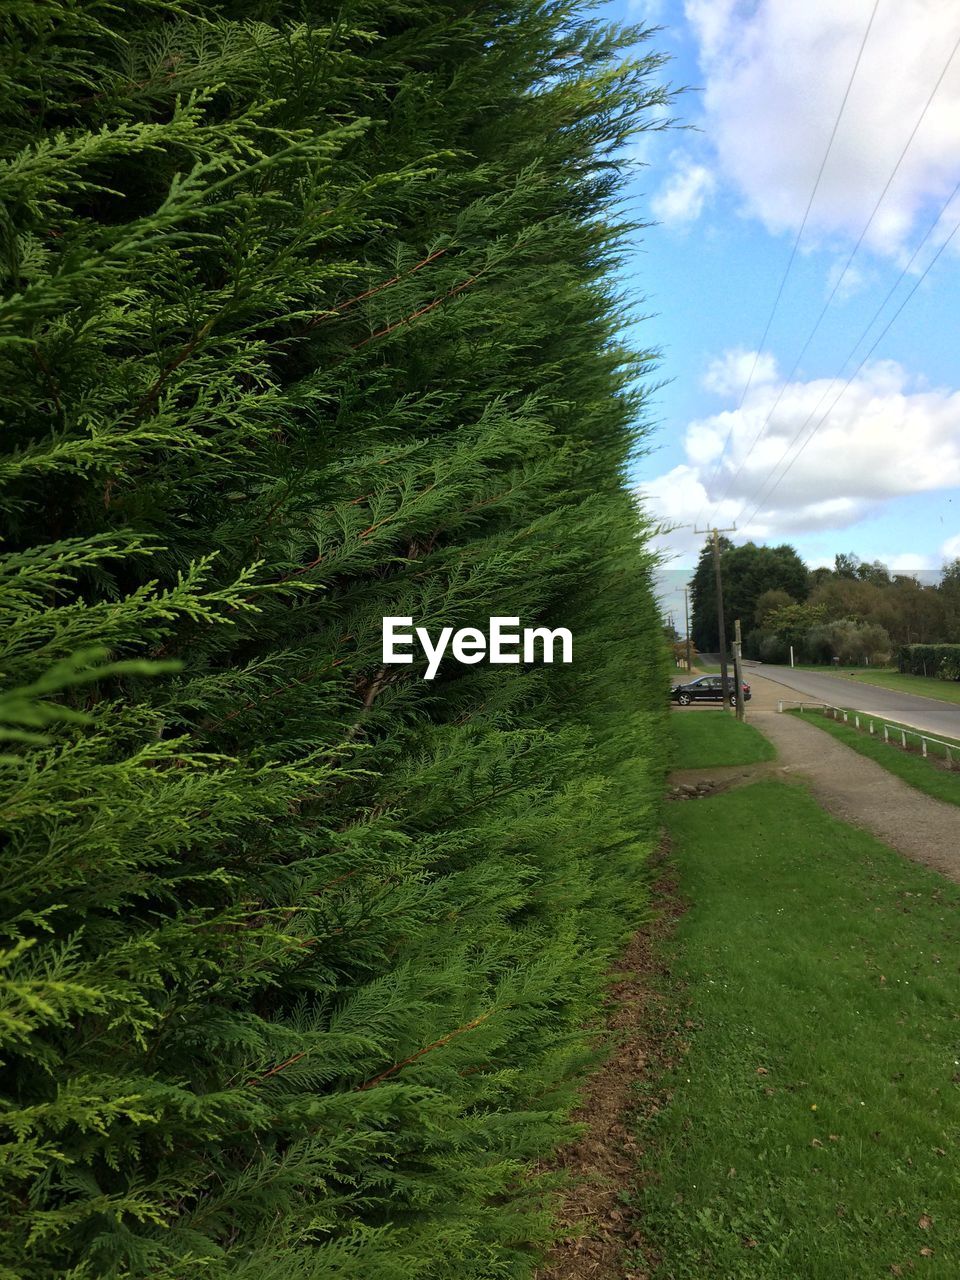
(873, 319)
(763, 493)
(796, 243)
(846, 268)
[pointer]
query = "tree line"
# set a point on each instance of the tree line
(855, 612)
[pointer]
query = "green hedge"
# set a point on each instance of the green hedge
(941, 660)
(307, 321)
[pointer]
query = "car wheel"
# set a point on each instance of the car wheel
(683, 699)
(733, 699)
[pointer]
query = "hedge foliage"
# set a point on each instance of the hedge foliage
(942, 660)
(308, 318)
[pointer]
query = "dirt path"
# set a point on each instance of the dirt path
(856, 789)
(608, 1159)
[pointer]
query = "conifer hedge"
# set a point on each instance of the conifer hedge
(941, 660)
(308, 318)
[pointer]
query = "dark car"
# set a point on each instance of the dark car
(707, 689)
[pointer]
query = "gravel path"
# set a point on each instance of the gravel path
(856, 789)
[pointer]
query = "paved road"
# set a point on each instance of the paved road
(937, 718)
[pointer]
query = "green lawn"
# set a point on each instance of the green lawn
(812, 1130)
(926, 775)
(707, 738)
(925, 686)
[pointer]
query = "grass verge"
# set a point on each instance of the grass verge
(812, 1129)
(704, 739)
(927, 775)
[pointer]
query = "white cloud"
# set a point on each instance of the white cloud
(911, 562)
(845, 282)
(951, 548)
(730, 373)
(680, 200)
(887, 437)
(775, 74)
(649, 12)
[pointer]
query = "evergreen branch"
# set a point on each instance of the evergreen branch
(210, 726)
(437, 1044)
(281, 1066)
(49, 379)
(375, 289)
(421, 311)
(151, 396)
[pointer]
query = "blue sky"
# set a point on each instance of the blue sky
(881, 474)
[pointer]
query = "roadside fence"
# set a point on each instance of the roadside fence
(877, 727)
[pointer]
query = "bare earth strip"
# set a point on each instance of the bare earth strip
(607, 1158)
(856, 789)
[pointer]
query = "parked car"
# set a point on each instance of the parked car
(707, 689)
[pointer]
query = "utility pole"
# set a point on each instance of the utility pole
(738, 671)
(721, 627)
(686, 623)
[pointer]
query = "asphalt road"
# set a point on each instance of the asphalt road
(936, 718)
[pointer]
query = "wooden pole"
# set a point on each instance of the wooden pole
(738, 671)
(686, 618)
(721, 627)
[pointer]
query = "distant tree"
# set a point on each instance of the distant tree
(703, 599)
(816, 577)
(846, 564)
(769, 603)
(748, 572)
(792, 623)
(771, 647)
(949, 593)
(845, 596)
(876, 572)
(849, 641)
(918, 610)
(874, 643)
(678, 649)
(910, 611)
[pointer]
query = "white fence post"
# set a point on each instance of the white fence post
(863, 722)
